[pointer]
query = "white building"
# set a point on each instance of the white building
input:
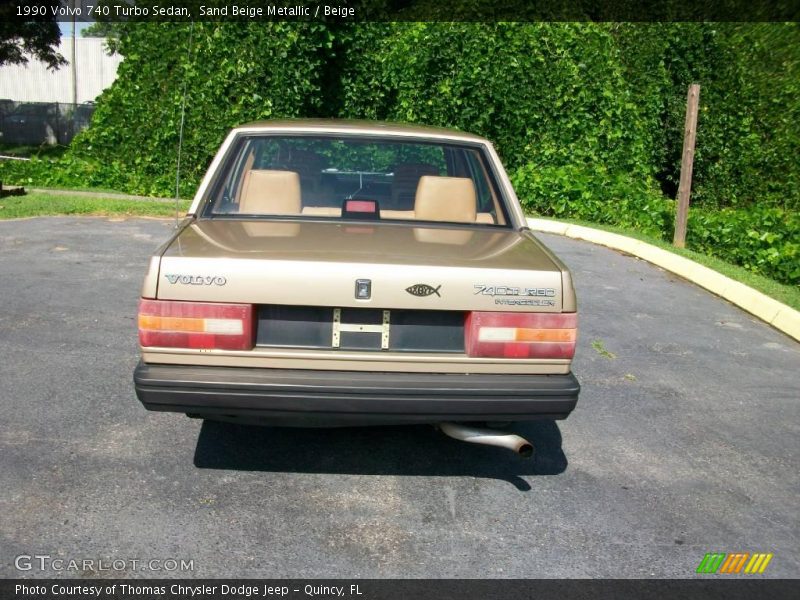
(34, 82)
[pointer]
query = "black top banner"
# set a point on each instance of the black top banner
(344, 11)
(371, 589)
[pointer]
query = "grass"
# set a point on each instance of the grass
(36, 205)
(788, 294)
(600, 348)
(74, 188)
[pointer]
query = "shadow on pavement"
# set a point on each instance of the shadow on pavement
(401, 450)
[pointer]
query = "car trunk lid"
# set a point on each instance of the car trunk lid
(319, 264)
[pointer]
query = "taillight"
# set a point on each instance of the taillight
(174, 324)
(520, 335)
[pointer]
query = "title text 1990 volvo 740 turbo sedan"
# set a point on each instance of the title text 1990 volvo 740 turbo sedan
(353, 273)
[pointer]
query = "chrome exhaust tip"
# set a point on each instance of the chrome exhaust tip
(488, 437)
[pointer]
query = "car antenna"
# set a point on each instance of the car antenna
(180, 132)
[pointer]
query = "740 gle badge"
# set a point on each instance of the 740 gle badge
(521, 296)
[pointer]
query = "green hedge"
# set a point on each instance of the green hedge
(593, 194)
(550, 93)
(761, 239)
(748, 133)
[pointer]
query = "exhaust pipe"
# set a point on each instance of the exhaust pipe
(477, 435)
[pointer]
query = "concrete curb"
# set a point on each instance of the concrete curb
(777, 314)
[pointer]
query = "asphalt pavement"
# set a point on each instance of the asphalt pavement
(686, 440)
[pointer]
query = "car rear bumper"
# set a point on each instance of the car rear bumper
(340, 398)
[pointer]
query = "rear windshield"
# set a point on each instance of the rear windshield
(323, 177)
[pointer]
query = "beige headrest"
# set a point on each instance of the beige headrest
(270, 193)
(445, 199)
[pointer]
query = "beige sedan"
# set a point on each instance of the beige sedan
(335, 273)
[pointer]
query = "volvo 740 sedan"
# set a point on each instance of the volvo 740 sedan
(333, 273)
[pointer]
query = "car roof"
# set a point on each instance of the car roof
(359, 126)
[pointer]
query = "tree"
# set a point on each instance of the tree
(111, 30)
(39, 38)
(102, 29)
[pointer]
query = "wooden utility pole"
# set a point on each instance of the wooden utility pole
(687, 163)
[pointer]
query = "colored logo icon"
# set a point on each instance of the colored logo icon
(734, 563)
